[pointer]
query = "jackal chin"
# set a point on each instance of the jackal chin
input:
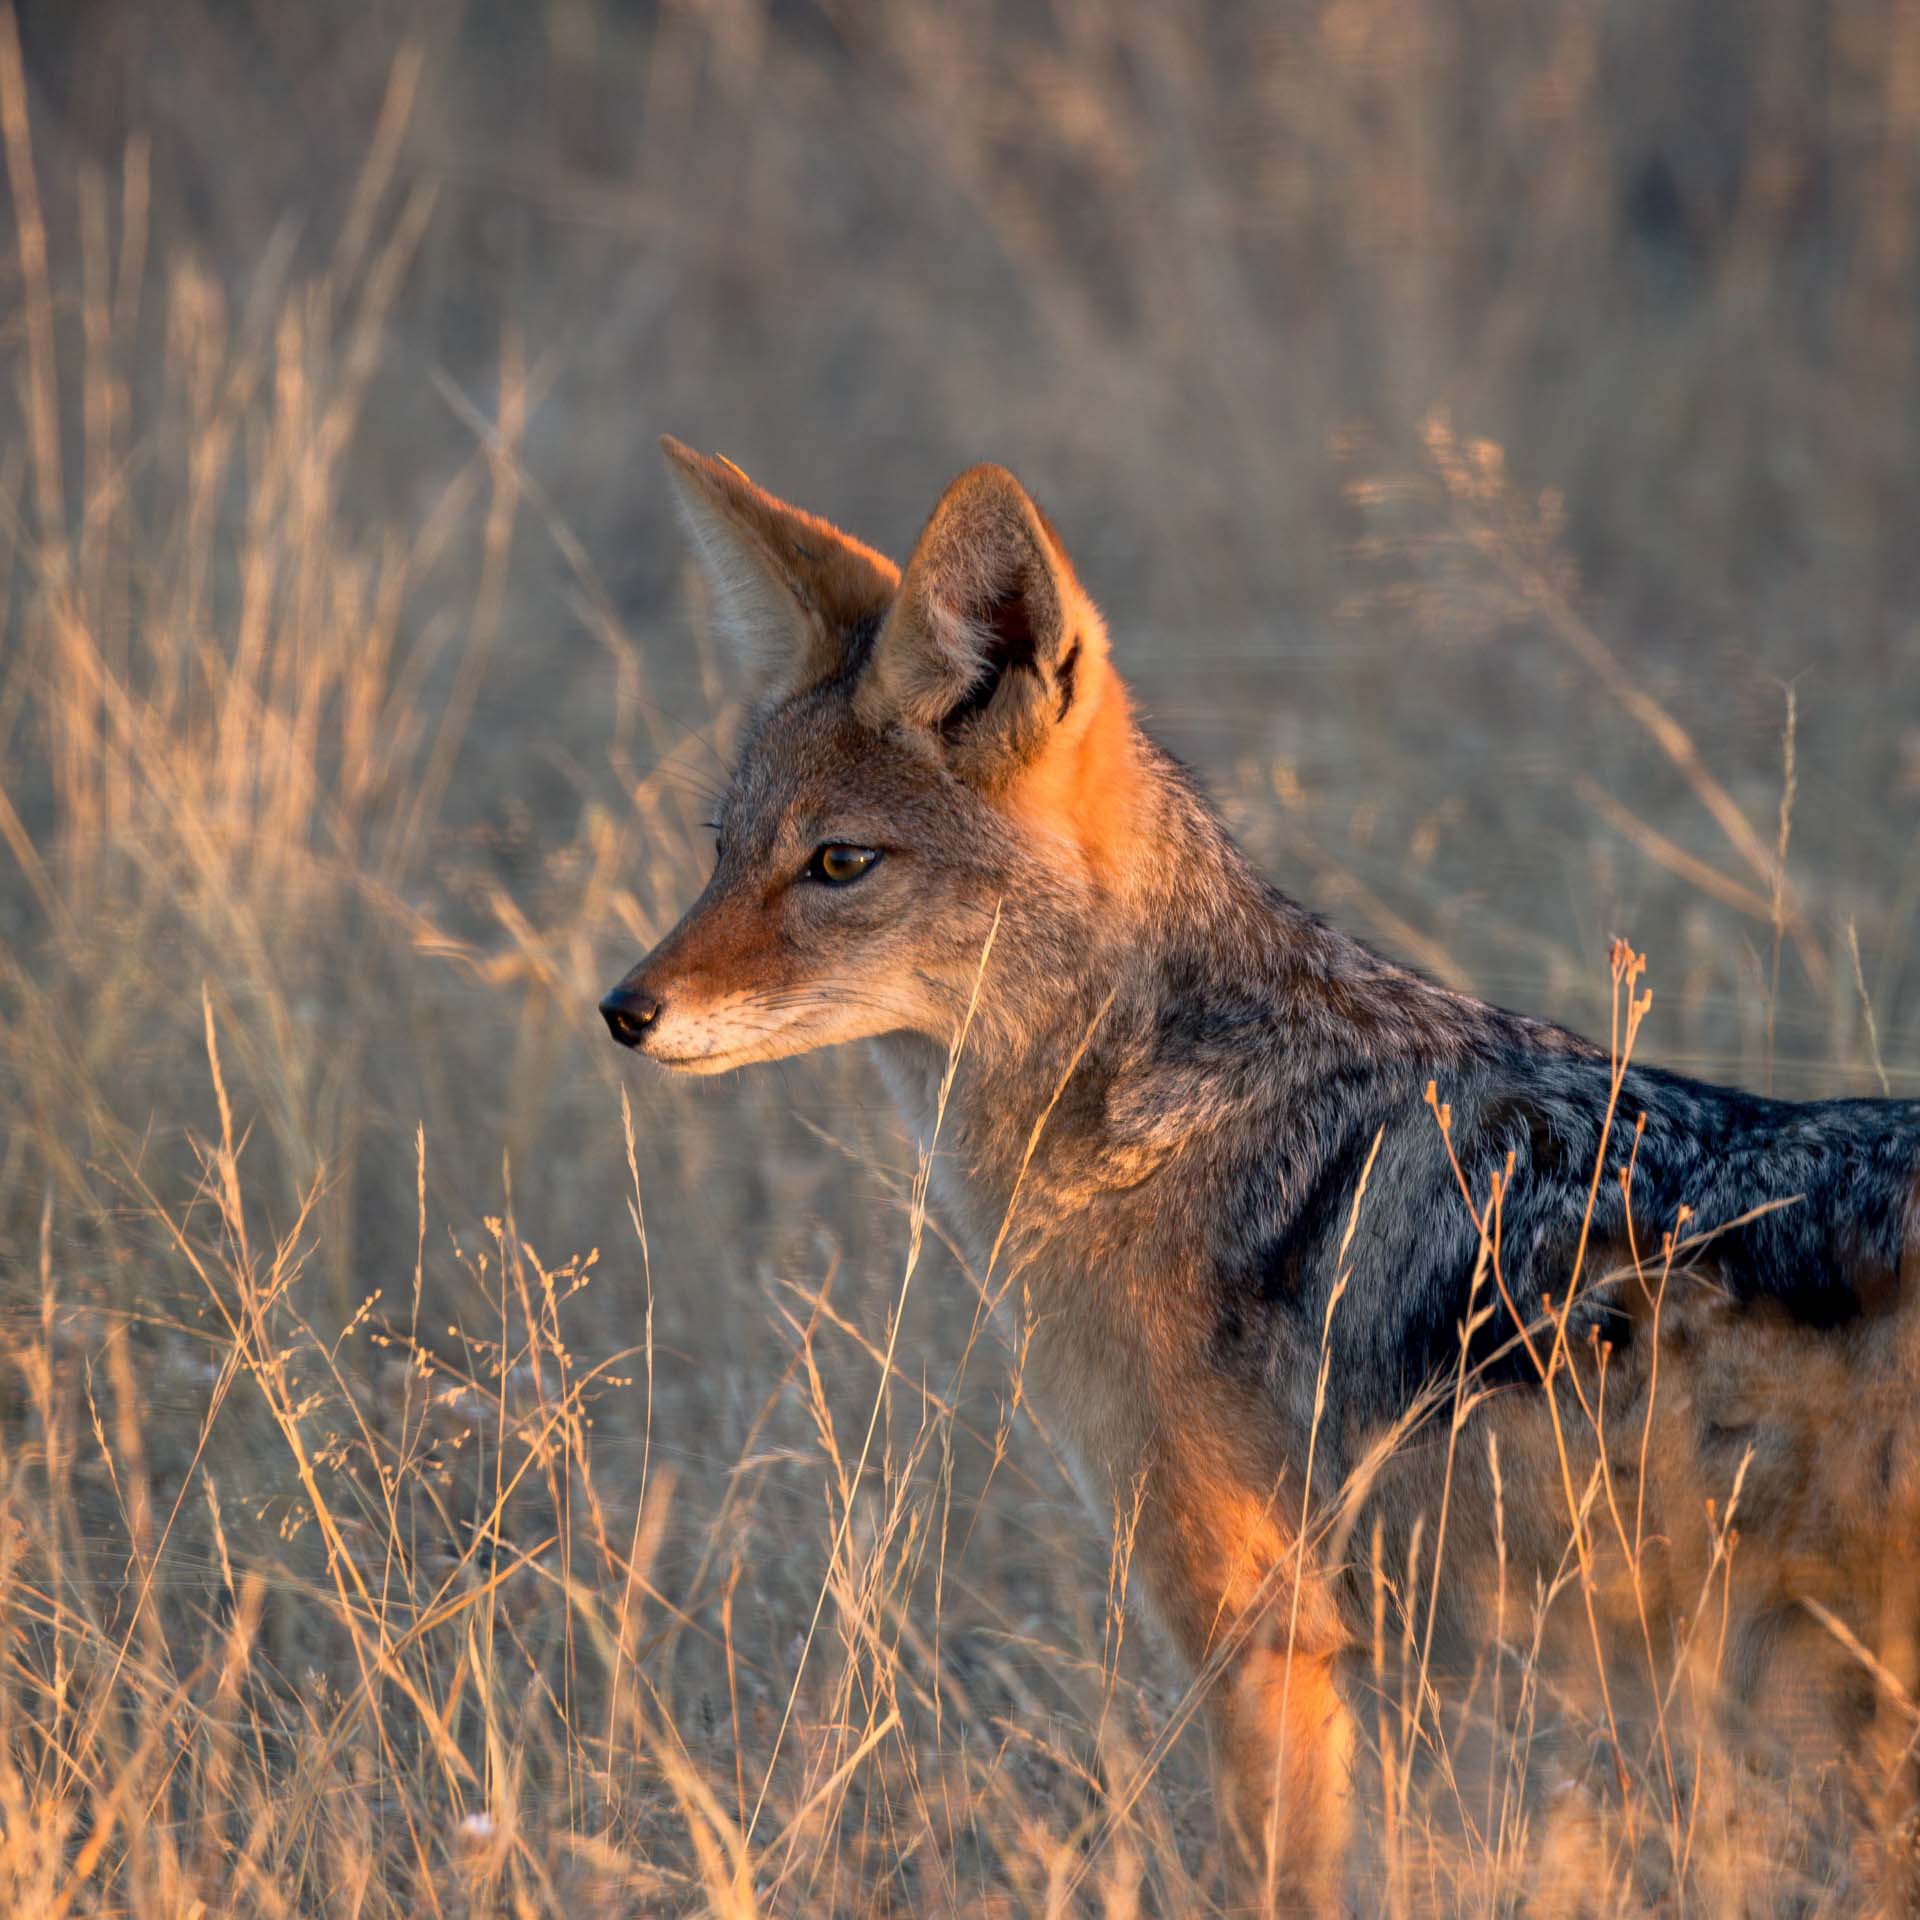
(704, 1065)
(700, 1054)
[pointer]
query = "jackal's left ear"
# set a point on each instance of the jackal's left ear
(790, 590)
(991, 643)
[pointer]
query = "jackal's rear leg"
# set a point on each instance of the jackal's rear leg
(1894, 1741)
(1892, 1775)
(1283, 1742)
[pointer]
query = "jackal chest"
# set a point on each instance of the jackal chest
(1086, 1314)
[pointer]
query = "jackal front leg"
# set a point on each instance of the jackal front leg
(1283, 1745)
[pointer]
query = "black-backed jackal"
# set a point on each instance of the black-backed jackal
(942, 763)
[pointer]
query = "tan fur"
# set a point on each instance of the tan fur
(1285, 1741)
(1087, 794)
(1226, 1571)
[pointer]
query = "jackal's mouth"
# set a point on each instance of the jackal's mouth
(694, 1065)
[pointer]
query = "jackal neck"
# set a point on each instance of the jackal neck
(1134, 1009)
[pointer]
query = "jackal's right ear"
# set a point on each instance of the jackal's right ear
(789, 589)
(992, 644)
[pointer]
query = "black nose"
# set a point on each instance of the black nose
(629, 1014)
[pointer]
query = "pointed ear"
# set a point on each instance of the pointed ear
(991, 643)
(790, 590)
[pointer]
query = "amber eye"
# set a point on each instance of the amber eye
(840, 866)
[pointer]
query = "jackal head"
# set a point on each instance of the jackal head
(930, 758)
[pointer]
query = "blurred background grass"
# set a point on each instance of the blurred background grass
(1479, 423)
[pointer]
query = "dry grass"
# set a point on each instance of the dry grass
(426, 1484)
